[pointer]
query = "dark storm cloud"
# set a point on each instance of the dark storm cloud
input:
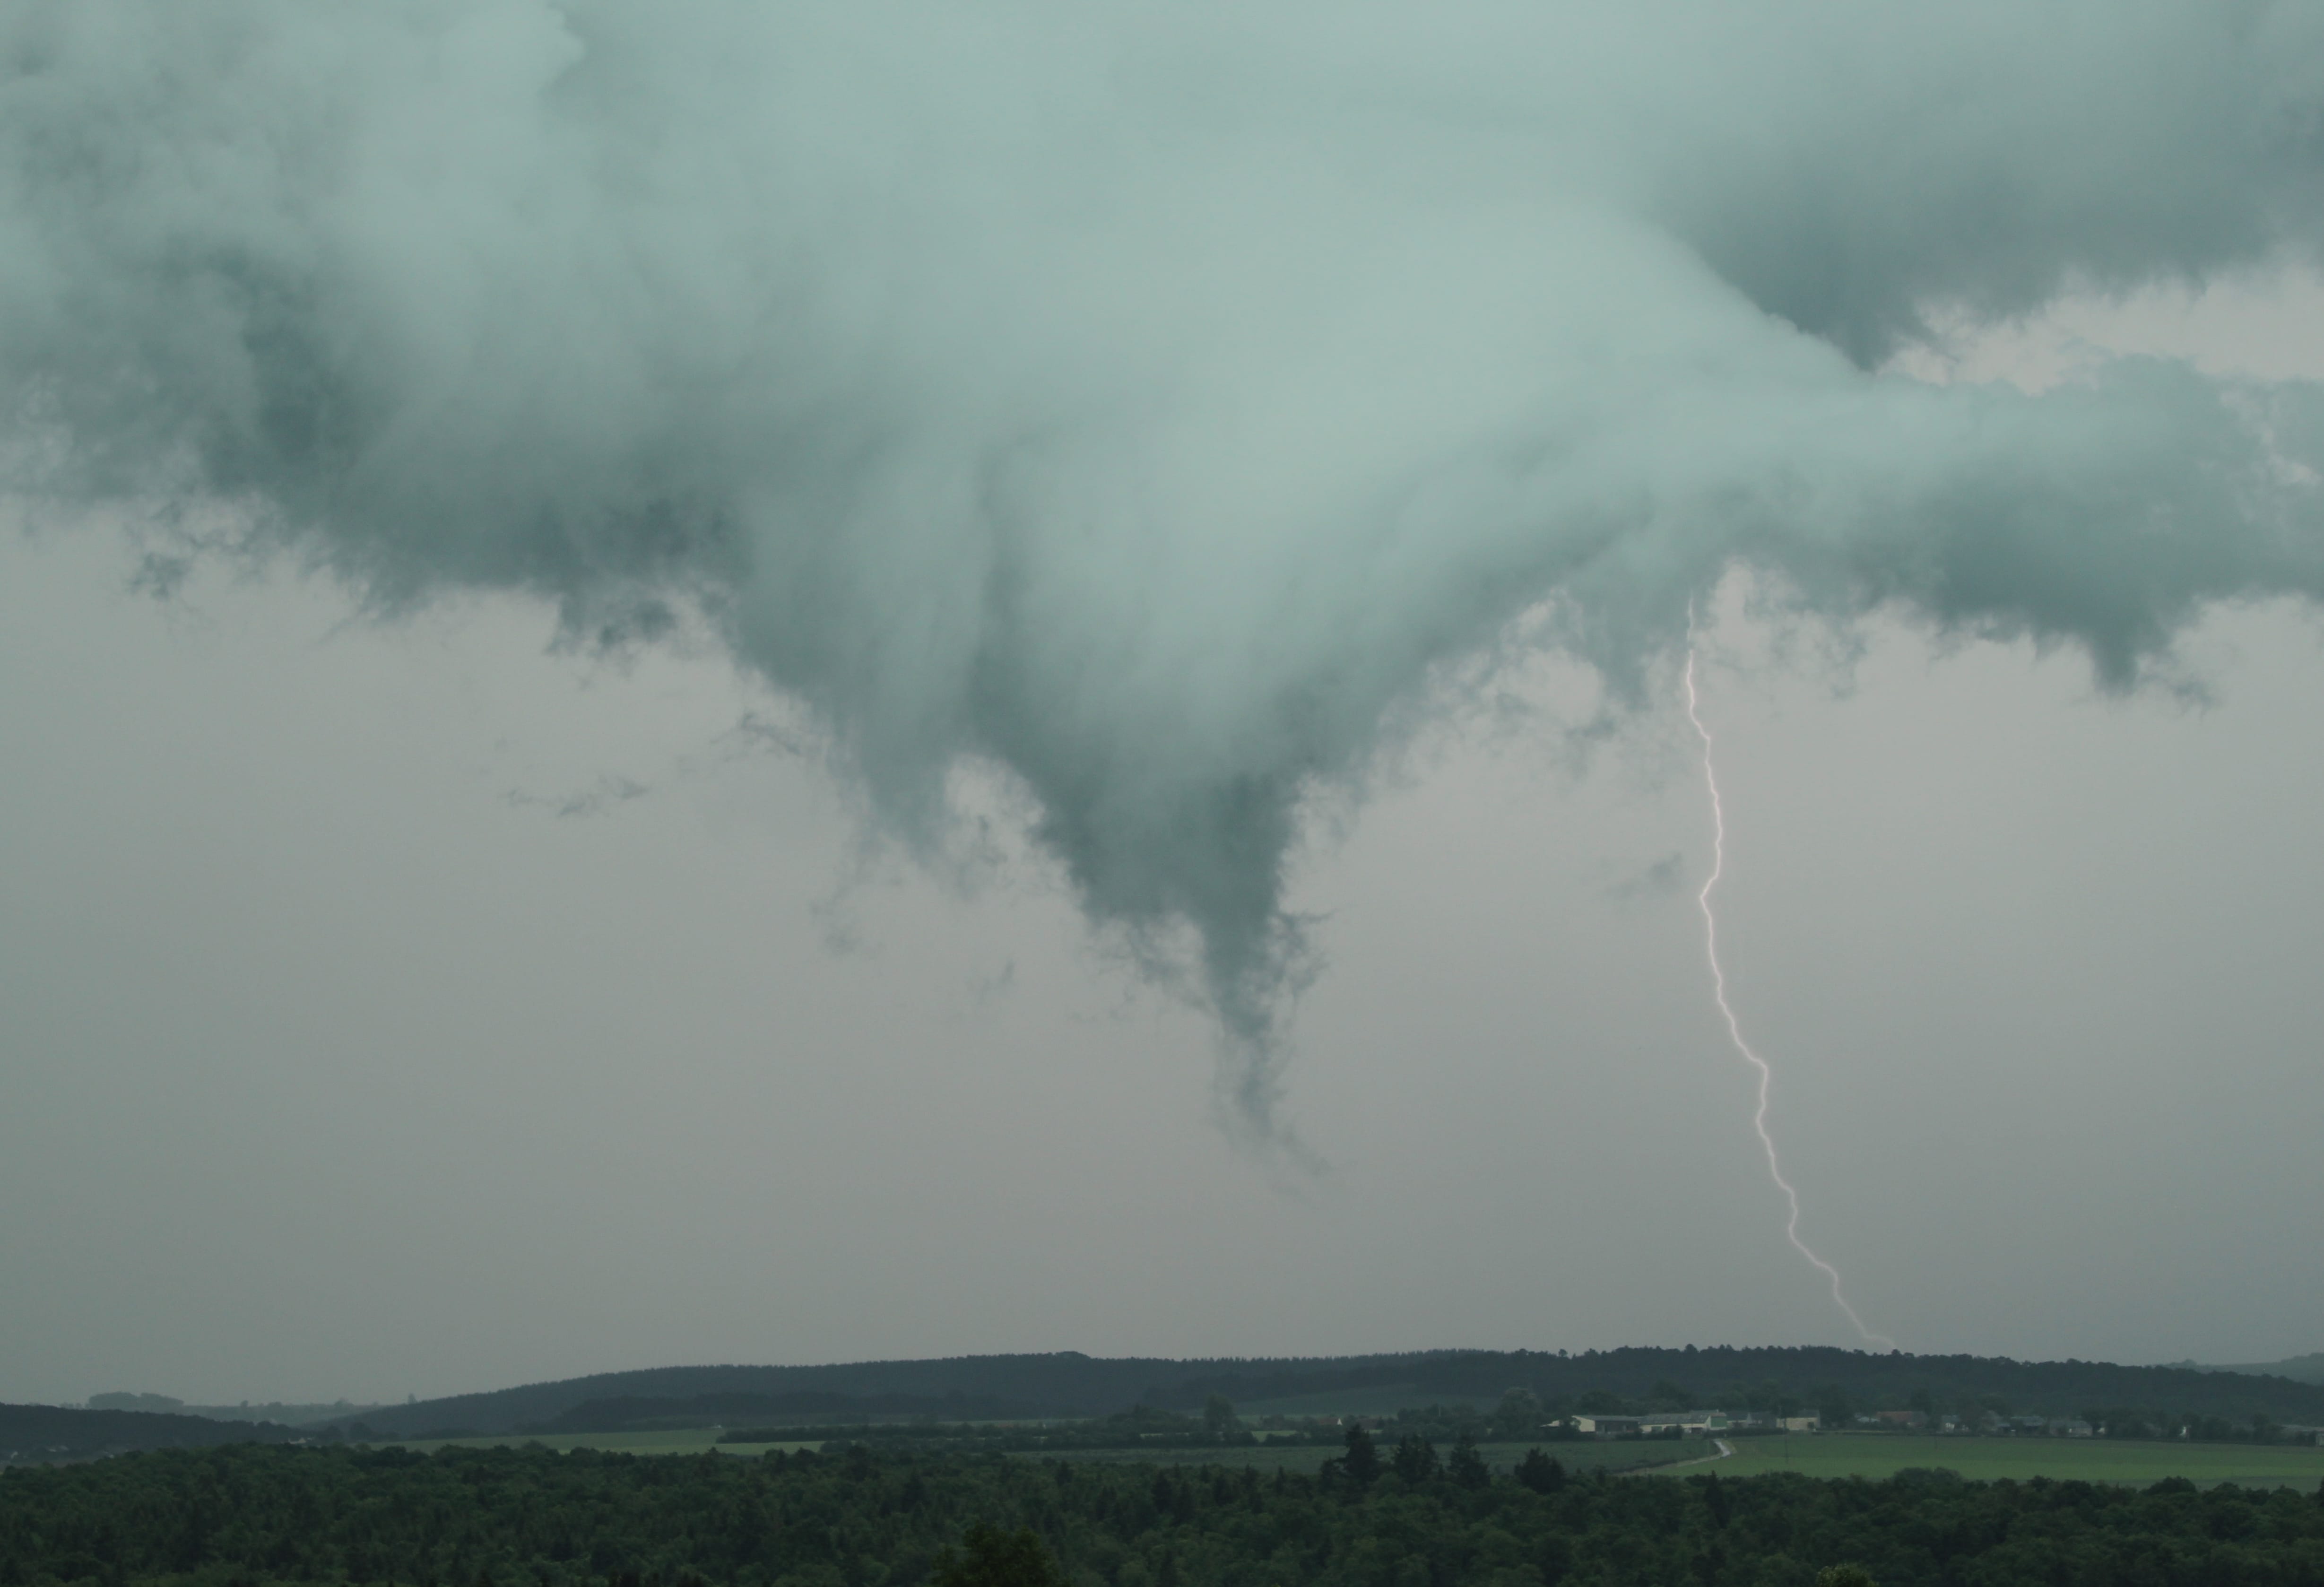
(1153, 402)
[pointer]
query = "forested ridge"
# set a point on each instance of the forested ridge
(533, 1518)
(1069, 1384)
(2133, 1401)
(38, 1431)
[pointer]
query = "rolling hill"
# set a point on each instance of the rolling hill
(2300, 1368)
(1070, 1384)
(48, 1432)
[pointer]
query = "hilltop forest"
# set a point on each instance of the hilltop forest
(1070, 1385)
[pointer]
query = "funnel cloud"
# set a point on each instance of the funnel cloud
(1161, 408)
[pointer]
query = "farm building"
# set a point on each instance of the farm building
(1684, 1423)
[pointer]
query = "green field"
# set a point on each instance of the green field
(1613, 1454)
(2091, 1459)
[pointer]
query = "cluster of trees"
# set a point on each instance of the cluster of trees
(531, 1517)
(1415, 1463)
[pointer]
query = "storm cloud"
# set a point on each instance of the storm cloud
(1164, 406)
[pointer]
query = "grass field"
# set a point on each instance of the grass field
(1614, 1455)
(2091, 1459)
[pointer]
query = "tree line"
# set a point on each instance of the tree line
(1401, 1515)
(46, 1432)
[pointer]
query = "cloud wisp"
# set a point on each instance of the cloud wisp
(1152, 404)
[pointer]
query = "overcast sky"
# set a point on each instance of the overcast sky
(419, 1001)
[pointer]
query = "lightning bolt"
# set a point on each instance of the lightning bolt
(1735, 1027)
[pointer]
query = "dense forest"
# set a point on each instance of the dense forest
(1070, 1385)
(1399, 1518)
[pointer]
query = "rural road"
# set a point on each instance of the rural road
(1725, 1449)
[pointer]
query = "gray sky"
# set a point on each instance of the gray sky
(405, 1004)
